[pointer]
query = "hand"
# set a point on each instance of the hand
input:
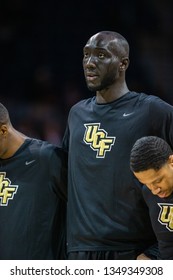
(142, 257)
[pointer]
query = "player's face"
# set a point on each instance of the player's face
(100, 63)
(159, 182)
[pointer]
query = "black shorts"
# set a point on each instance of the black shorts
(103, 255)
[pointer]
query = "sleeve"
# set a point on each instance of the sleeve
(58, 170)
(152, 252)
(65, 140)
(162, 119)
(66, 136)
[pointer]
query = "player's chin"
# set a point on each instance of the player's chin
(92, 87)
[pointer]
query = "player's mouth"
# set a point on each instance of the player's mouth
(90, 76)
(163, 194)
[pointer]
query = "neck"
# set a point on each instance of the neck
(14, 142)
(111, 94)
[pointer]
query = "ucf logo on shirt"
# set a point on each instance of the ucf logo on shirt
(7, 190)
(98, 139)
(166, 215)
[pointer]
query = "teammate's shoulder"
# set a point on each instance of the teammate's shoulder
(38, 143)
(45, 149)
(38, 146)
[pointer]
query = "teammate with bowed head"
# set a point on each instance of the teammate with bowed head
(151, 161)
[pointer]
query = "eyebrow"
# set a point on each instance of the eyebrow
(159, 178)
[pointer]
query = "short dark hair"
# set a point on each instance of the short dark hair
(4, 115)
(149, 152)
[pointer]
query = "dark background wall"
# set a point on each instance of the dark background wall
(41, 45)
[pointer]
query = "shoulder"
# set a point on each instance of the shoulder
(44, 149)
(81, 104)
(155, 100)
(145, 97)
(141, 97)
(155, 104)
(79, 108)
(38, 145)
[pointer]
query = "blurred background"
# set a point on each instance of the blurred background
(41, 51)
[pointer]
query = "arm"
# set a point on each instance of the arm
(142, 257)
(161, 114)
(150, 253)
(58, 170)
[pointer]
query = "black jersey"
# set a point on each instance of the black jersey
(32, 202)
(161, 214)
(106, 209)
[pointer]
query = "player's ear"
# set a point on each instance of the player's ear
(3, 129)
(171, 159)
(124, 64)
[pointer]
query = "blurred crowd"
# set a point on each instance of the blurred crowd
(41, 45)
